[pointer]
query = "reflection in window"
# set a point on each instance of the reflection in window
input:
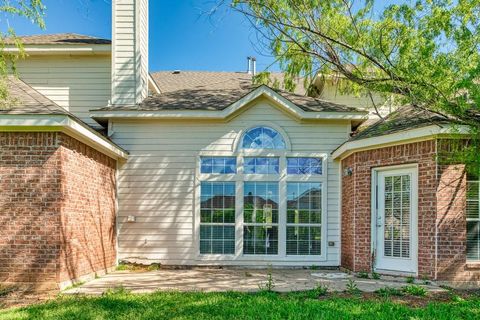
(217, 218)
(260, 214)
(218, 165)
(304, 218)
(304, 165)
(263, 138)
(256, 165)
(473, 218)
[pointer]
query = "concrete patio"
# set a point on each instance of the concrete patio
(233, 279)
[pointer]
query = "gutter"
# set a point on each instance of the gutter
(65, 124)
(402, 137)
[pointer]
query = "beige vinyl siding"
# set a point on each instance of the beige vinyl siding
(157, 184)
(77, 83)
(331, 92)
(130, 54)
(143, 48)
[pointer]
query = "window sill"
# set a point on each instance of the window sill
(473, 265)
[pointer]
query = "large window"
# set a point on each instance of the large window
(262, 201)
(473, 218)
(217, 218)
(263, 138)
(260, 216)
(304, 218)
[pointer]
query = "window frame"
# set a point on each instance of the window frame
(282, 178)
(472, 219)
(216, 224)
(309, 224)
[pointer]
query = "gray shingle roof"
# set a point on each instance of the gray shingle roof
(194, 90)
(405, 118)
(23, 99)
(60, 38)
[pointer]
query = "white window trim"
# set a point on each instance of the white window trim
(473, 219)
(239, 178)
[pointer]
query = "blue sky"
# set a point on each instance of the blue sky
(182, 35)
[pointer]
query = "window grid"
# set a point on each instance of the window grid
(261, 165)
(218, 165)
(217, 218)
(260, 229)
(473, 220)
(304, 165)
(304, 222)
(397, 216)
(263, 138)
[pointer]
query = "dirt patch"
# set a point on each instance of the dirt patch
(407, 300)
(18, 296)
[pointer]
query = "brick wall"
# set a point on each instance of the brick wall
(30, 198)
(451, 219)
(441, 210)
(348, 217)
(356, 204)
(88, 210)
(51, 187)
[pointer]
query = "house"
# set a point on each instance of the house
(101, 162)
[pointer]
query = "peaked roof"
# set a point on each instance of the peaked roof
(26, 100)
(170, 81)
(404, 118)
(216, 91)
(59, 39)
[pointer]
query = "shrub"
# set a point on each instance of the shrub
(363, 275)
(270, 282)
(410, 279)
(388, 292)
(352, 287)
(375, 276)
(414, 290)
(321, 290)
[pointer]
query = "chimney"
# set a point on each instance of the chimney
(249, 65)
(129, 51)
(254, 65)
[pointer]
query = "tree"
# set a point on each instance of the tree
(32, 10)
(424, 52)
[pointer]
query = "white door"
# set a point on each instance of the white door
(396, 204)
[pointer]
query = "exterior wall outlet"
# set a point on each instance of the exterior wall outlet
(131, 219)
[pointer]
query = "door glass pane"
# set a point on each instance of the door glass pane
(397, 226)
(260, 215)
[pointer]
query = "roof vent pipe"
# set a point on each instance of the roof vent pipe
(249, 65)
(254, 65)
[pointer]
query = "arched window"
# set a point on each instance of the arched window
(263, 138)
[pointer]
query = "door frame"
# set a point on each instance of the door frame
(374, 209)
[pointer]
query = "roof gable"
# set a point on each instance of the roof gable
(154, 109)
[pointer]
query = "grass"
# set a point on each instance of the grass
(119, 304)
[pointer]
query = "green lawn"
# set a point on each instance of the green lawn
(264, 305)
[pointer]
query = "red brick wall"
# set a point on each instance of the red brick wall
(30, 202)
(356, 204)
(441, 209)
(348, 217)
(451, 219)
(88, 210)
(56, 208)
